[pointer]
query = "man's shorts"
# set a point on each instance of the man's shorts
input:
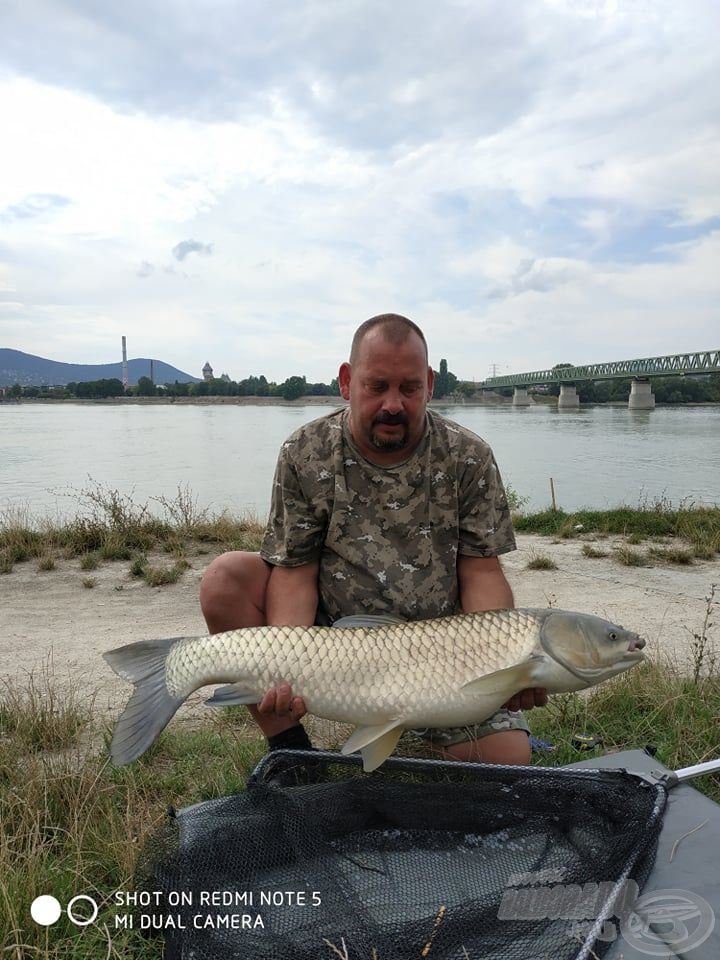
(504, 719)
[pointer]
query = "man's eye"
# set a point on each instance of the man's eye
(409, 389)
(376, 387)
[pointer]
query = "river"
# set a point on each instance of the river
(598, 456)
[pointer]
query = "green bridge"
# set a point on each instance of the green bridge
(641, 372)
(677, 364)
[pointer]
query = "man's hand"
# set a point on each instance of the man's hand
(280, 702)
(527, 699)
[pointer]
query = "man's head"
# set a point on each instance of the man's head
(388, 382)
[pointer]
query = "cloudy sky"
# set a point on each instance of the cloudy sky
(245, 181)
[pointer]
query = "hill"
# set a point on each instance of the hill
(29, 370)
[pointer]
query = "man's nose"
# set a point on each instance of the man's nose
(393, 401)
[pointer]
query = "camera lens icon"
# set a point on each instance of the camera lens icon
(46, 910)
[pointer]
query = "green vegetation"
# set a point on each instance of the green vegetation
(540, 561)
(445, 382)
(594, 553)
(112, 526)
(652, 704)
(698, 527)
(630, 558)
(73, 823)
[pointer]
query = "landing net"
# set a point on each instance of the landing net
(419, 859)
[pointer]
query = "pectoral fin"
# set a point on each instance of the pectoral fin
(376, 743)
(508, 681)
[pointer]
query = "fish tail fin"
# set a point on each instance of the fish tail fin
(150, 707)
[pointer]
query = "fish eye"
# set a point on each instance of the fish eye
(613, 636)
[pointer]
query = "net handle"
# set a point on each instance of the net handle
(698, 770)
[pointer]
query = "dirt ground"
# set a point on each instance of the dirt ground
(50, 621)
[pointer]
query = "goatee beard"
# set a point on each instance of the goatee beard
(386, 443)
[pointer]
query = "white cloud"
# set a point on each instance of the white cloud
(508, 175)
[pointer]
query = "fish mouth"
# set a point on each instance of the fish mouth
(635, 647)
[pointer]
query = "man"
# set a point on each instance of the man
(383, 507)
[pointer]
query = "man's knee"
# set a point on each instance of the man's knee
(232, 591)
(506, 746)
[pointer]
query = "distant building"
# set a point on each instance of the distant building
(207, 372)
(225, 377)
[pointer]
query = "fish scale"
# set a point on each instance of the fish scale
(341, 669)
(380, 675)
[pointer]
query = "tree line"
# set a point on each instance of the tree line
(293, 388)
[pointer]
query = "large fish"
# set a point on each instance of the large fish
(379, 674)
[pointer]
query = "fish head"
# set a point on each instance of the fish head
(589, 647)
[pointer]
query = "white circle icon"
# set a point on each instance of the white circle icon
(80, 921)
(45, 910)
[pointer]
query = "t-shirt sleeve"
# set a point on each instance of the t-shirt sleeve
(484, 515)
(295, 529)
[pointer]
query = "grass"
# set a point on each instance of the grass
(646, 706)
(679, 555)
(72, 823)
(540, 561)
(159, 576)
(698, 527)
(630, 558)
(594, 553)
(111, 527)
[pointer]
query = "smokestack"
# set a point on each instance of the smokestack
(124, 365)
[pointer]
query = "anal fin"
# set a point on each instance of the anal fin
(375, 742)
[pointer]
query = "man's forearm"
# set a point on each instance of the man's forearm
(482, 585)
(292, 595)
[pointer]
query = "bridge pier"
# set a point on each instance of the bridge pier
(520, 397)
(568, 399)
(641, 396)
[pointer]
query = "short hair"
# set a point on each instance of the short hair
(395, 328)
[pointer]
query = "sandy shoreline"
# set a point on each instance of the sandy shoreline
(49, 619)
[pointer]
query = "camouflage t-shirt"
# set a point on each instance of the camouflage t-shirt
(387, 537)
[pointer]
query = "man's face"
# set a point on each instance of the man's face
(388, 387)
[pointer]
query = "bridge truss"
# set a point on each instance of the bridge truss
(677, 364)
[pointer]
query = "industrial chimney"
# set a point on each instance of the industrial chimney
(124, 365)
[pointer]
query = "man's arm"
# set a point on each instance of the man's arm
(291, 600)
(483, 587)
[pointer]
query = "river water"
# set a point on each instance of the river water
(598, 456)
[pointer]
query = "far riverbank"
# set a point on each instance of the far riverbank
(488, 401)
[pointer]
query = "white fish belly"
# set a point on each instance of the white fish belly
(412, 672)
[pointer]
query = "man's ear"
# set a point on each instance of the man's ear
(344, 380)
(430, 382)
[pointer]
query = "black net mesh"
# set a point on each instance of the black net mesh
(418, 859)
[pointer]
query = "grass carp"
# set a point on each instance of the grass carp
(380, 674)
